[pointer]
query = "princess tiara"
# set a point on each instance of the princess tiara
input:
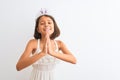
(42, 12)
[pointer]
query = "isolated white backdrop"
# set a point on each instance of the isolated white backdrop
(90, 29)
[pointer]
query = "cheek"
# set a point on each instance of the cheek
(52, 31)
(39, 30)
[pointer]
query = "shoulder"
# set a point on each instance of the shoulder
(32, 42)
(60, 43)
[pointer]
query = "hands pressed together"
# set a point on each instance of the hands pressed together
(47, 49)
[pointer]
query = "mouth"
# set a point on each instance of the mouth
(47, 30)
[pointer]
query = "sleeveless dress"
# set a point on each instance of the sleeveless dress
(43, 68)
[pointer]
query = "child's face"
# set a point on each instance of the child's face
(44, 24)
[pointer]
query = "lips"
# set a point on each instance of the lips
(47, 29)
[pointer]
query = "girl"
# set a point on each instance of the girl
(43, 52)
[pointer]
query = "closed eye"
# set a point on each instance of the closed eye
(42, 23)
(49, 22)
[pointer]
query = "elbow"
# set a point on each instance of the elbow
(74, 61)
(18, 67)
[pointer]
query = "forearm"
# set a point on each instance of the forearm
(65, 57)
(28, 61)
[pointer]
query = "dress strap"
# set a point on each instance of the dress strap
(56, 45)
(38, 46)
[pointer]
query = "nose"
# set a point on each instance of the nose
(46, 25)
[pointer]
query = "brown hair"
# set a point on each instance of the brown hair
(56, 32)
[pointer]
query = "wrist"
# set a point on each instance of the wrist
(53, 53)
(41, 53)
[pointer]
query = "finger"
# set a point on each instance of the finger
(47, 31)
(45, 49)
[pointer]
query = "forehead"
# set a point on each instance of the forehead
(45, 18)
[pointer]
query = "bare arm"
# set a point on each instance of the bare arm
(25, 59)
(66, 56)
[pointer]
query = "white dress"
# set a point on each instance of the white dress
(43, 68)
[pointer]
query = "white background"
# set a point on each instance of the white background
(89, 28)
